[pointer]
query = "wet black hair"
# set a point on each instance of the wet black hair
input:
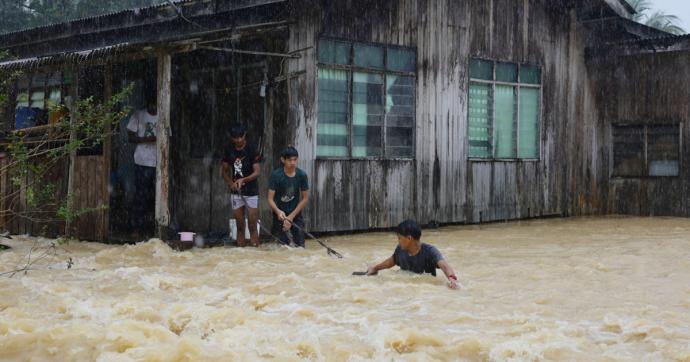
(289, 152)
(238, 130)
(409, 228)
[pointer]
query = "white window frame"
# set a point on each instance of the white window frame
(351, 68)
(493, 84)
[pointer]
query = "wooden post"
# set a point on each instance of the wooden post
(104, 222)
(3, 191)
(73, 155)
(163, 144)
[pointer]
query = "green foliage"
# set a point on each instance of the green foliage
(34, 154)
(657, 19)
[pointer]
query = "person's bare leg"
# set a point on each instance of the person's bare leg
(253, 231)
(239, 221)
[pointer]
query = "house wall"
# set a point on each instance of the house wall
(645, 89)
(441, 184)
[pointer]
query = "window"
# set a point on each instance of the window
(503, 110)
(37, 95)
(366, 100)
(642, 151)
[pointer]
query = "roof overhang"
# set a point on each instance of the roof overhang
(118, 33)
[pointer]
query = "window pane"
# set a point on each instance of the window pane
(54, 97)
(334, 52)
(23, 82)
(506, 72)
(332, 131)
(529, 123)
(38, 81)
(400, 116)
(368, 56)
(504, 124)
(67, 78)
(663, 150)
(481, 69)
(530, 74)
(38, 99)
(367, 115)
(628, 151)
(479, 122)
(54, 79)
(403, 60)
(23, 99)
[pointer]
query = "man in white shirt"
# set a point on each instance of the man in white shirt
(142, 131)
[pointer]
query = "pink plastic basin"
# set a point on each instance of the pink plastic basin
(187, 236)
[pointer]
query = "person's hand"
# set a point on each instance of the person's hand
(372, 271)
(287, 225)
(453, 282)
(239, 183)
(233, 186)
(281, 215)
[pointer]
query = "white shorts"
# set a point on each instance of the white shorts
(238, 202)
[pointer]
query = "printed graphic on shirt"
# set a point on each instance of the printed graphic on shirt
(148, 130)
(289, 195)
(238, 167)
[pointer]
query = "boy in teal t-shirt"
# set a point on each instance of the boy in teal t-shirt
(288, 194)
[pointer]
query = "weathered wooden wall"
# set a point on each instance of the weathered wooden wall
(440, 184)
(88, 195)
(645, 89)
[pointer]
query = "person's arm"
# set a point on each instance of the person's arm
(302, 203)
(132, 128)
(450, 274)
(226, 176)
(386, 264)
(150, 139)
(272, 204)
(304, 192)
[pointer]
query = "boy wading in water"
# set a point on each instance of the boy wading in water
(415, 256)
(288, 194)
(241, 169)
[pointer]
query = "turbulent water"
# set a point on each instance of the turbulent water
(603, 289)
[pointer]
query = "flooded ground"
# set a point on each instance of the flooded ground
(604, 289)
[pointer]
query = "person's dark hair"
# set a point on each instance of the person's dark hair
(410, 228)
(289, 152)
(238, 130)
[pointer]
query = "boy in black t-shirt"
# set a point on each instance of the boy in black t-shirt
(241, 170)
(413, 255)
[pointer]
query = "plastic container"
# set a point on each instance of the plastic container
(186, 236)
(233, 229)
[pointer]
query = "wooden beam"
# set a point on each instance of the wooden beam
(163, 144)
(104, 222)
(74, 92)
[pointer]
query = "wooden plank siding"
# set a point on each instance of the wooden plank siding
(88, 171)
(645, 89)
(441, 184)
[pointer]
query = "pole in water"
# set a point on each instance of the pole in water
(328, 249)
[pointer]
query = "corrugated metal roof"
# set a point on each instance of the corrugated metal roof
(96, 17)
(70, 57)
(659, 39)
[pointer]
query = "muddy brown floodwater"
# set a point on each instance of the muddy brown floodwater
(589, 289)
